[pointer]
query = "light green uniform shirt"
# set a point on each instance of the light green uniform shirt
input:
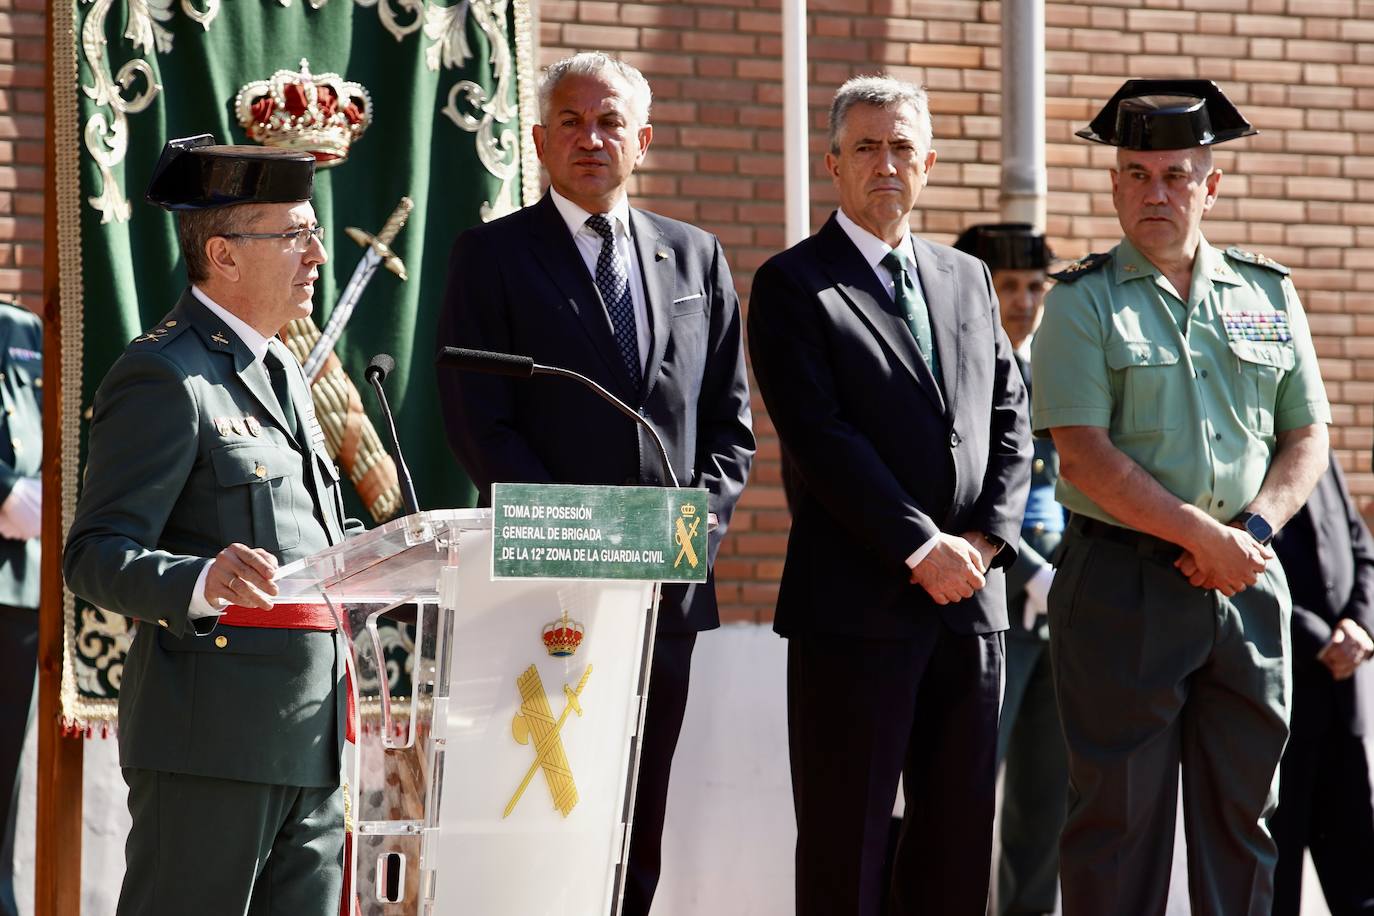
(1193, 391)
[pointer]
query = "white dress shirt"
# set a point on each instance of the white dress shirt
(589, 246)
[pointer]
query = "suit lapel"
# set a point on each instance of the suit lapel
(558, 252)
(942, 297)
(219, 339)
(857, 282)
(658, 264)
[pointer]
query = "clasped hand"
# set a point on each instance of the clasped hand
(1350, 646)
(1227, 559)
(954, 567)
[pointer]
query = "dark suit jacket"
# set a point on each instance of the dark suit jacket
(1328, 556)
(518, 285)
(878, 459)
(21, 441)
(169, 482)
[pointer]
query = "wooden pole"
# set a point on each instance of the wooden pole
(57, 870)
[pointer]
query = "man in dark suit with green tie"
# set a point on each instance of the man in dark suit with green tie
(206, 470)
(21, 491)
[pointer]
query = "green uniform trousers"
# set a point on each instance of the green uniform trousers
(220, 847)
(1150, 674)
(1034, 782)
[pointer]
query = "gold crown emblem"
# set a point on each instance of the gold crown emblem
(297, 110)
(563, 636)
(689, 510)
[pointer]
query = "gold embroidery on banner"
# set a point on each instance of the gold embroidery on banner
(489, 116)
(535, 720)
(107, 137)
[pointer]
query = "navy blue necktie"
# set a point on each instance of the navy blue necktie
(613, 280)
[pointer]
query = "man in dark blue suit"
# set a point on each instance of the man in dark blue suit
(1326, 776)
(903, 422)
(640, 303)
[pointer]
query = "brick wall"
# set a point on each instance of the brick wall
(1301, 192)
(21, 151)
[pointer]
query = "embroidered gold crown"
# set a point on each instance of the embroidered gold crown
(689, 510)
(563, 636)
(298, 110)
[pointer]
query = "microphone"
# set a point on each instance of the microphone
(486, 361)
(381, 366)
(523, 367)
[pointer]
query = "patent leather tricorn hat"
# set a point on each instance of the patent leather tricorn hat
(1167, 114)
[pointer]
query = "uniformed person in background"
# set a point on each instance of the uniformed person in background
(21, 515)
(206, 471)
(1181, 388)
(1029, 741)
(1326, 797)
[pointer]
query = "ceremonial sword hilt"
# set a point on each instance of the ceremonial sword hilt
(381, 242)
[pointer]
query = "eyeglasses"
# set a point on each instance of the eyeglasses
(300, 238)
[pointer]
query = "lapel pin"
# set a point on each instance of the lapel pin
(219, 338)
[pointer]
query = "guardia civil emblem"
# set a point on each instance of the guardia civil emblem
(535, 725)
(684, 531)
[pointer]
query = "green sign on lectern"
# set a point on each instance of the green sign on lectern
(572, 531)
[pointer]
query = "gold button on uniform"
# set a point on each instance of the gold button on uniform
(221, 641)
(1038, 466)
(162, 622)
(261, 470)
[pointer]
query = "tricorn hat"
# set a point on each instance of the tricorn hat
(1167, 114)
(1006, 246)
(194, 173)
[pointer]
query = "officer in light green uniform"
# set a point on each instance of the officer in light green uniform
(1182, 391)
(1030, 743)
(205, 471)
(21, 456)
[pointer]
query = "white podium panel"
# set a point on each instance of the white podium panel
(535, 778)
(502, 784)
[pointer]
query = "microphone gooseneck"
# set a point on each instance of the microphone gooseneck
(381, 366)
(523, 367)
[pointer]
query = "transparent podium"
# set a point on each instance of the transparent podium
(501, 781)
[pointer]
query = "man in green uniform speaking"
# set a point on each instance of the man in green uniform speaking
(206, 470)
(1181, 388)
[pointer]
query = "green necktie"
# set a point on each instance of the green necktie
(281, 386)
(913, 305)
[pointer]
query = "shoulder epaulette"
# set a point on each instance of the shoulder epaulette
(1251, 257)
(1080, 267)
(159, 334)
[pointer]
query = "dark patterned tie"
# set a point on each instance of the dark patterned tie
(613, 280)
(908, 298)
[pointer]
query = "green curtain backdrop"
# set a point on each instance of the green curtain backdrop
(445, 83)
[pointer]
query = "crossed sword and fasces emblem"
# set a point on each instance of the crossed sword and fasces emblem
(683, 536)
(535, 720)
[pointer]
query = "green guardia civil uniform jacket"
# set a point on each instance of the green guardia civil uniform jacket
(21, 441)
(189, 452)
